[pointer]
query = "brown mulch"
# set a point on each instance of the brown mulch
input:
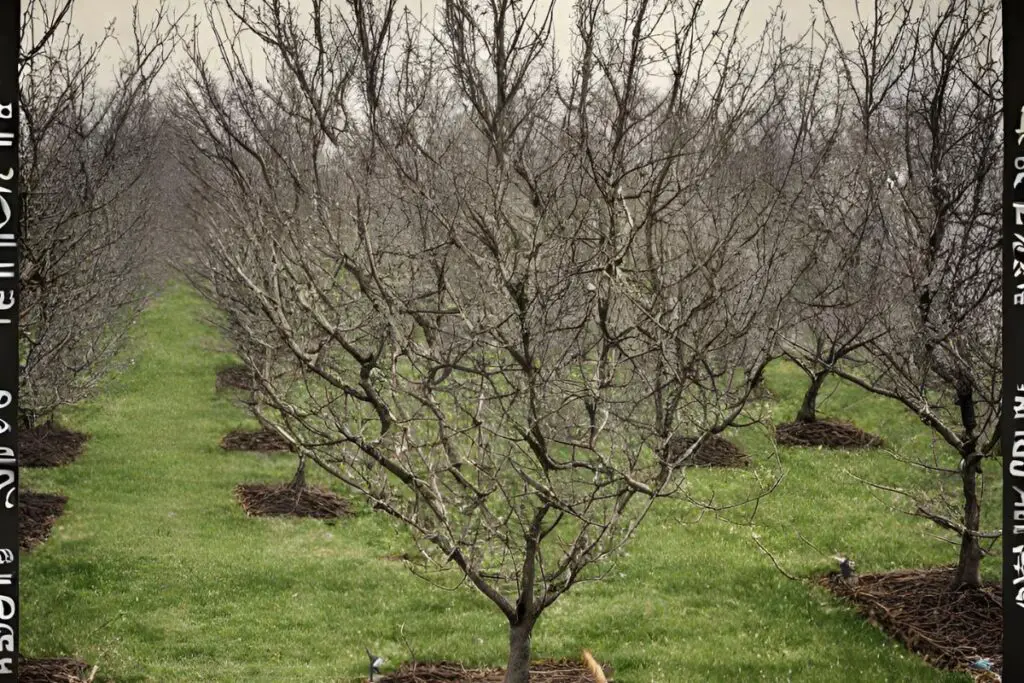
(950, 629)
(236, 377)
(713, 452)
(564, 671)
(402, 557)
(37, 513)
(49, 446)
(828, 433)
(52, 670)
(263, 440)
(271, 500)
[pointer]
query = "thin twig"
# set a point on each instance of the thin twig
(772, 558)
(408, 645)
(814, 547)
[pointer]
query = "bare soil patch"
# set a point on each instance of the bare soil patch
(53, 670)
(235, 377)
(828, 433)
(262, 440)
(49, 446)
(272, 500)
(949, 629)
(37, 513)
(563, 671)
(714, 451)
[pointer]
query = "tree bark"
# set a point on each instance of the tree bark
(809, 409)
(299, 480)
(968, 568)
(519, 637)
(26, 420)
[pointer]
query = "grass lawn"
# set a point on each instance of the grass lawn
(155, 574)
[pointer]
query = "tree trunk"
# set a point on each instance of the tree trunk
(809, 408)
(26, 420)
(519, 637)
(968, 568)
(299, 480)
(757, 384)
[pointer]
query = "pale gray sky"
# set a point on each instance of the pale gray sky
(92, 16)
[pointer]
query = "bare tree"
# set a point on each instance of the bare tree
(842, 292)
(932, 140)
(841, 296)
(503, 286)
(85, 150)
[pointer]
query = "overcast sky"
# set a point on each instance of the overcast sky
(92, 16)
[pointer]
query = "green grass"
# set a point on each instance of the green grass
(155, 574)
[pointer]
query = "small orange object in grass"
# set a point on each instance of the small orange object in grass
(594, 667)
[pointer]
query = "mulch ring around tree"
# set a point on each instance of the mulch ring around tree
(236, 377)
(263, 440)
(272, 500)
(714, 451)
(37, 513)
(400, 557)
(54, 670)
(563, 671)
(950, 629)
(828, 433)
(49, 446)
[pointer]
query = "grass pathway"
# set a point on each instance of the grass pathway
(155, 574)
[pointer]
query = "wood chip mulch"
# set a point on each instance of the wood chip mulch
(827, 433)
(272, 500)
(236, 377)
(49, 446)
(263, 440)
(53, 670)
(563, 671)
(714, 451)
(37, 514)
(949, 629)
